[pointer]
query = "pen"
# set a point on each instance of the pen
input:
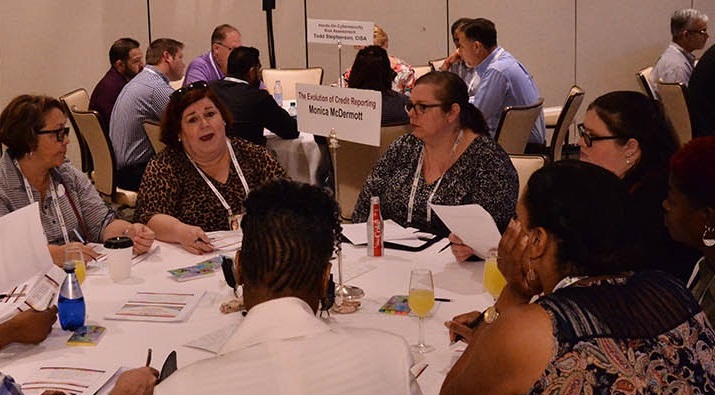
(470, 325)
(22, 293)
(421, 371)
(445, 247)
(79, 236)
(148, 357)
(11, 293)
(442, 300)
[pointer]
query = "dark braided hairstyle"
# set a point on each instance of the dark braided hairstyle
(584, 207)
(290, 231)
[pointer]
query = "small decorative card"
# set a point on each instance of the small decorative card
(201, 269)
(396, 305)
(86, 336)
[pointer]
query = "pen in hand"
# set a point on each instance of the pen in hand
(79, 236)
(445, 247)
(473, 324)
(148, 357)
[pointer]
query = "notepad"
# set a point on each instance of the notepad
(396, 305)
(88, 335)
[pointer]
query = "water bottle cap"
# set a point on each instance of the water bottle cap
(68, 266)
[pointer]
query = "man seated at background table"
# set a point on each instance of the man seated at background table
(144, 98)
(455, 63)
(253, 109)
(211, 66)
(290, 232)
(689, 29)
(126, 61)
(504, 81)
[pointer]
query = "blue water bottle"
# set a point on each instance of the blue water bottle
(71, 301)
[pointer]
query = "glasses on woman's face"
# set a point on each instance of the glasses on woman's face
(60, 133)
(179, 93)
(419, 108)
(588, 138)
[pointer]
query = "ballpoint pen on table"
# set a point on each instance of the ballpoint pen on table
(148, 357)
(442, 300)
(445, 247)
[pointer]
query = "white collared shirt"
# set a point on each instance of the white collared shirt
(282, 348)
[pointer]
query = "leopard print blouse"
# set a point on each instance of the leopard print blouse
(171, 185)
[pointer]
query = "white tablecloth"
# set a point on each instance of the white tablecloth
(125, 343)
(301, 158)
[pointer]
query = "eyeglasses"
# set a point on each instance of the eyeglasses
(179, 93)
(224, 45)
(60, 133)
(419, 107)
(704, 32)
(588, 138)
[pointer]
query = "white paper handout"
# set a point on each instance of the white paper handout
(70, 379)
(23, 247)
(473, 224)
(157, 306)
(357, 233)
(214, 341)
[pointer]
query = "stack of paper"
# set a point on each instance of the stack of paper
(68, 379)
(473, 224)
(157, 306)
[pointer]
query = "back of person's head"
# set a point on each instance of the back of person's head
(371, 70)
(584, 208)
(457, 24)
(21, 119)
(178, 102)
(290, 231)
(692, 171)
(450, 89)
(120, 49)
(684, 19)
(241, 60)
(482, 30)
(220, 32)
(634, 115)
(156, 49)
(379, 37)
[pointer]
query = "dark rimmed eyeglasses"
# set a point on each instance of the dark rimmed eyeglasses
(220, 44)
(179, 93)
(60, 133)
(419, 107)
(588, 138)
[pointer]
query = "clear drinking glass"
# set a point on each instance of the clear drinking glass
(74, 254)
(421, 301)
(493, 280)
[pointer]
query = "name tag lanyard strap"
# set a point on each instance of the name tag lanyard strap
(220, 197)
(416, 180)
(55, 202)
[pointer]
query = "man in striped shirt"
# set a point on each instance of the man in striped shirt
(143, 98)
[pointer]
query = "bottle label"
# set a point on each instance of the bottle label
(374, 229)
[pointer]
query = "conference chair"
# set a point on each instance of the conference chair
(525, 166)
(515, 126)
(153, 131)
(436, 63)
(78, 99)
(643, 76)
(675, 107)
(101, 148)
(289, 77)
(421, 70)
(355, 162)
(178, 83)
(566, 117)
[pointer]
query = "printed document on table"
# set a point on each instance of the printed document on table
(157, 306)
(473, 224)
(70, 379)
(357, 233)
(214, 341)
(23, 247)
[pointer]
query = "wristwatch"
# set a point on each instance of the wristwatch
(490, 314)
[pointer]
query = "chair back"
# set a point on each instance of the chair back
(566, 117)
(78, 100)
(421, 70)
(515, 126)
(178, 83)
(643, 76)
(289, 77)
(153, 131)
(525, 166)
(436, 63)
(675, 106)
(355, 162)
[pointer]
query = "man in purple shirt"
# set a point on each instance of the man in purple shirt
(126, 61)
(212, 66)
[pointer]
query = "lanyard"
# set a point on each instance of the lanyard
(55, 202)
(213, 64)
(416, 180)
(220, 197)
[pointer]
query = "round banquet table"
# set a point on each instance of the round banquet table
(125, 343)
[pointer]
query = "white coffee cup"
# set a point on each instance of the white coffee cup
(119, 257)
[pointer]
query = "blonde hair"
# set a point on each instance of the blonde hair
(379, 37)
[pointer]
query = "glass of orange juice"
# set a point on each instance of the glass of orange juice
(74, 254)
(421, 301)
(493, 280)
